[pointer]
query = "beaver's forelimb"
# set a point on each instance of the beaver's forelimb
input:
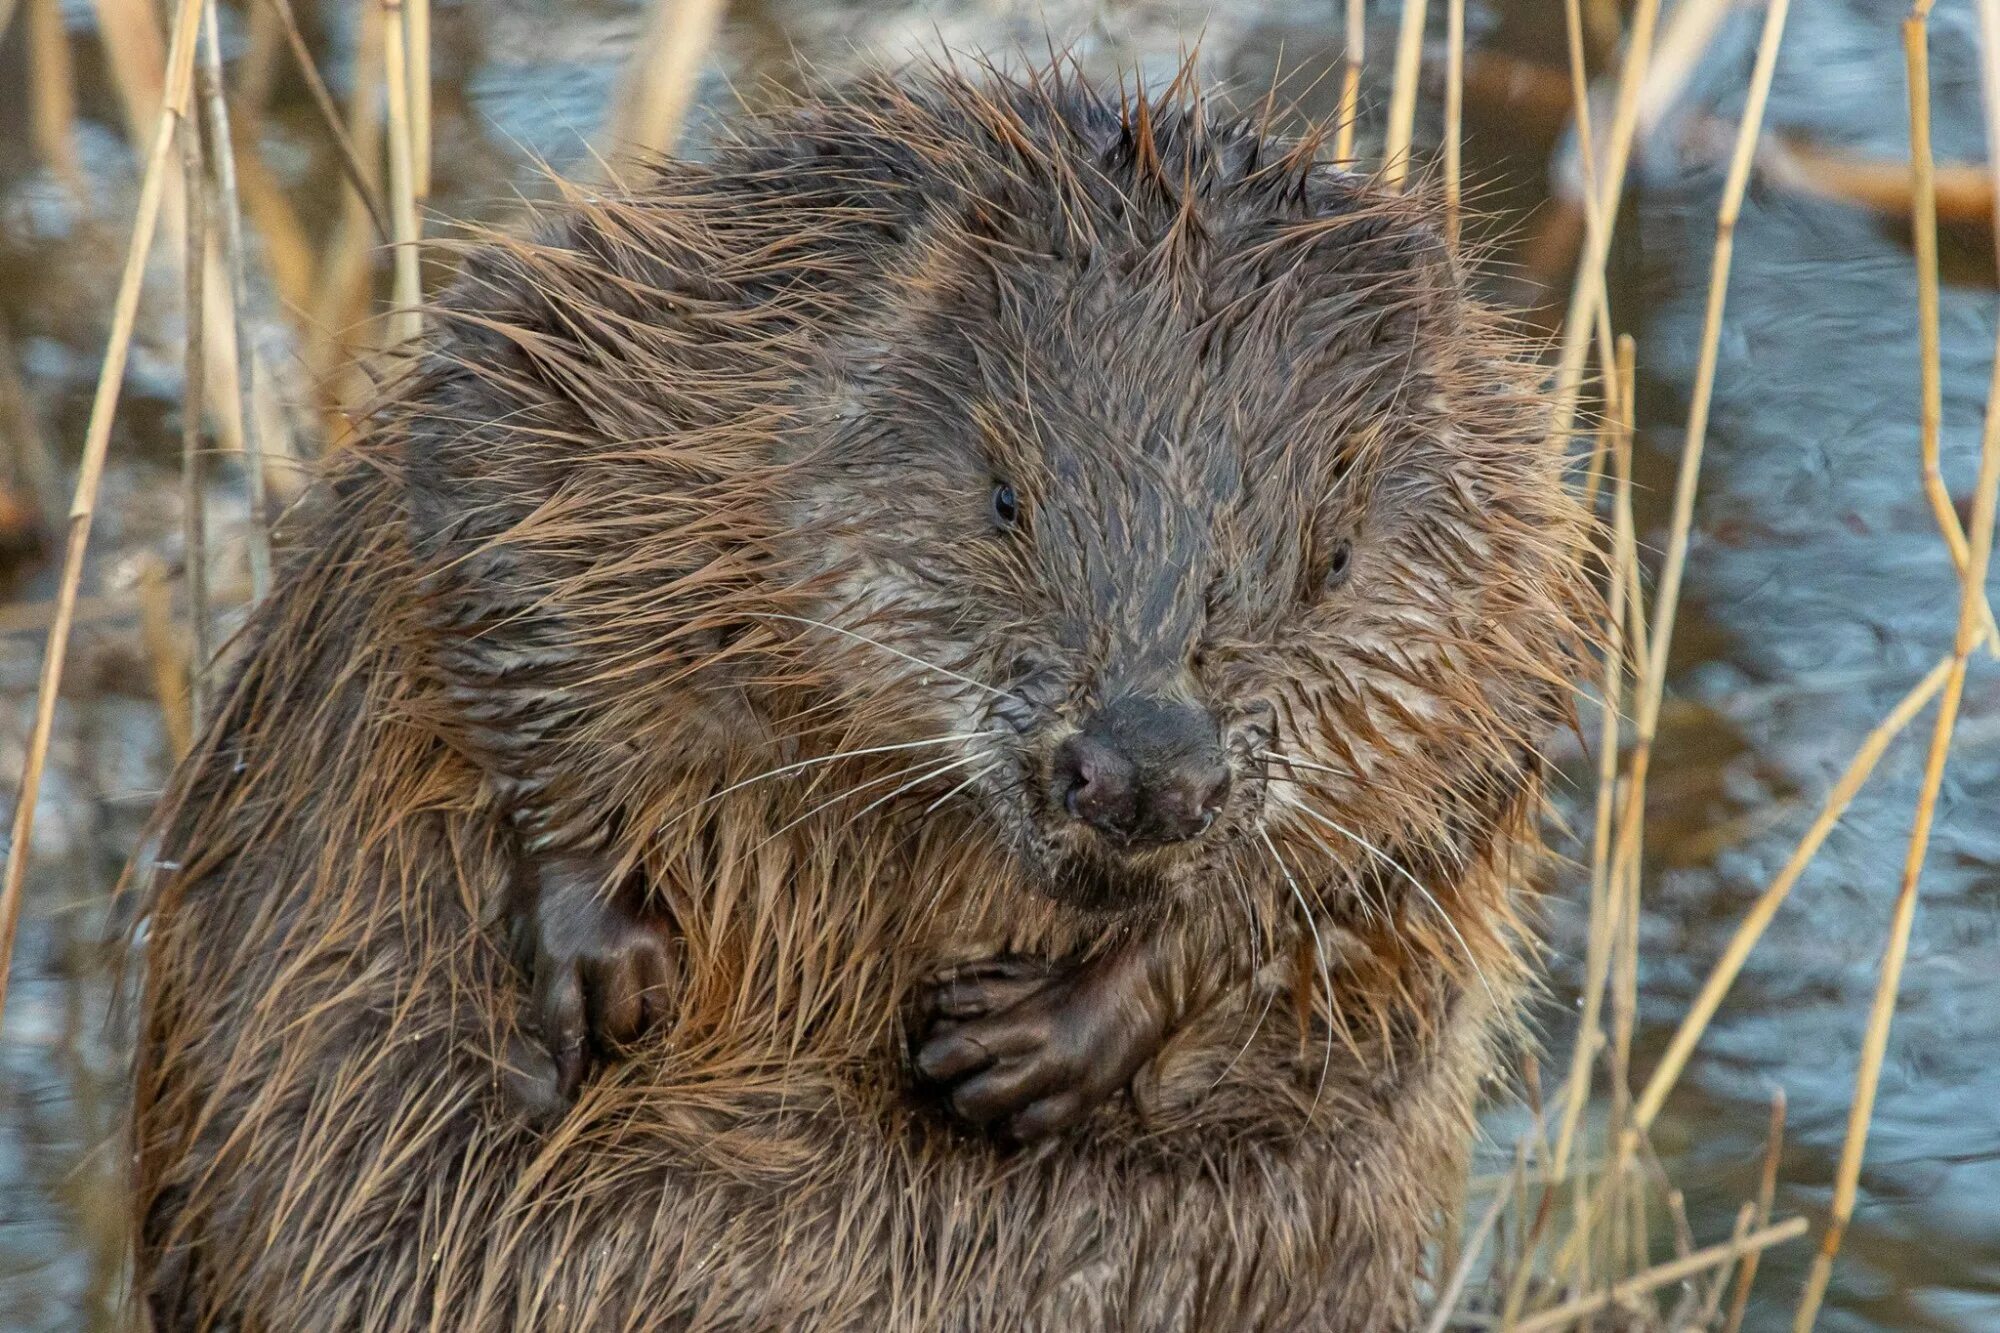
(1031, 1048)
(605, 968)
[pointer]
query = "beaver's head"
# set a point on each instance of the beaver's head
(1198, 514)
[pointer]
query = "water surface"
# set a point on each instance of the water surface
(1818, 589)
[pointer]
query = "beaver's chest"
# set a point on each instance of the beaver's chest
(1241, 1184)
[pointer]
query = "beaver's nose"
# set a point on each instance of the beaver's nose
(1096, 783)
(1143, 770)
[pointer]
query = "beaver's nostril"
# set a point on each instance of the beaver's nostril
(1095, 783)
(1212, 800)
(1188, 798)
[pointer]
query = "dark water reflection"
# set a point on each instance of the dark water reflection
(1818, 591)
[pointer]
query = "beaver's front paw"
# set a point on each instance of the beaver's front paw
(1032, 1048)
(604, 970)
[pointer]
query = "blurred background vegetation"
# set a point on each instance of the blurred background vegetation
(1819, 588)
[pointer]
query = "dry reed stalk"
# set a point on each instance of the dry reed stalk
(1586, 161)
(52, 92)
(1767, 1194)
(249, 423)
(1972, 581)
(194, 525)
(1574, 1263)
(1666, 601)
(1598, 947)
(1684, 39)
(1635, 604)
(343, 146)
(1923, 232)
(1594, 227)
(1545, 1204)
(1493, 1180)
(1524, 1270)
(1622, 1191)
(1350, 81)
(163, 655)
(1454, 116)
(1755, 921)
(1539, 1105)
(1454, 1287)
(135, 53)
(342, 287)
(90, 472)
(405, 320)
(1711, 1304)
(1875, 1043)
(1649, 685)
(659, 84)
(1403, 97)
(1617, 948)
(1662, 1275)
(1588, 293)
(1656, 1170)
(417, 19)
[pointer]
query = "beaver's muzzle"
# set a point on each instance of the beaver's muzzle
(1143, 770)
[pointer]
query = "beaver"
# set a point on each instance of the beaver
(987, 643)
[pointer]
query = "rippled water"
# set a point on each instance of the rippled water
(1818, 591)
(1824, 592)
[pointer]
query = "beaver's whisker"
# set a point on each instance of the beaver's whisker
(937, 897)
(1370, 908)
(1255, 1028)
(1417, 884)
(1256, 967)
(963, 785)
(783, 769)
(1256, 935)
(1319, 957)
(854, 789)
(1290, 762)
(1375, 782)
(915, 781)
(893, 652)
(860, 787)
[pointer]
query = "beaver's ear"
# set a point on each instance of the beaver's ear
(1398, 232)
(1331, 188)
(1373, 275)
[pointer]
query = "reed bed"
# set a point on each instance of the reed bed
(1586, 1229)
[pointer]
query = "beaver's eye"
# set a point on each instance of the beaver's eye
(1006, 505)
(1337, 565)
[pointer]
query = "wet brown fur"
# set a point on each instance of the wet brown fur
(601, 495)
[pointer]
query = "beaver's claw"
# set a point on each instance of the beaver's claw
(1031, 1048)
(604, 973)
